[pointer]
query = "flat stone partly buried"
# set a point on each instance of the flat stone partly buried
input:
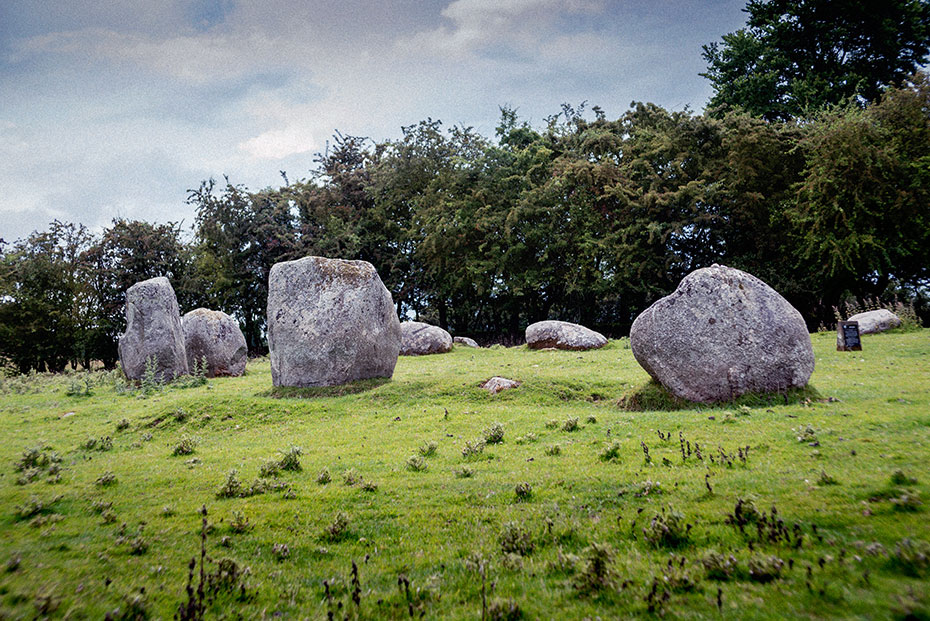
(330, 322)
(720, 334)
(562, 335)
(214, 337)
(497, 383)
(421, 339)
(153, 331)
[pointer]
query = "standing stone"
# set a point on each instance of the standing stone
(420, 339)
(562, 335)
(876, 321)
(215, 337)
(723, 333)
(467, 342)
(153, 331)
(329, 322)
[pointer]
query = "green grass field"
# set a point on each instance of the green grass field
(548, 523)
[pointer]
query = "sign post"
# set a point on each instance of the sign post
(847, 336)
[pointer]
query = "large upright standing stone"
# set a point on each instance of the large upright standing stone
(329, 322)
(153, 331)
(720, 334)
(215, 338)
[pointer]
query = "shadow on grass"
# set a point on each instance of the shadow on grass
(653, 396)
(315, 392)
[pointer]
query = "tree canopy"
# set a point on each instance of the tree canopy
(795, 57)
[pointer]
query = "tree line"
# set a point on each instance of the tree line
(584, 218)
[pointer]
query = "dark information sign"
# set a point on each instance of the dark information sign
(847, 336)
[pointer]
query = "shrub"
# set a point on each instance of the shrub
(280, 551)
(597, 573)
(899, 477)
(428, 449)
(324, 477)
(524, 491)
(290, 459)
(122, 425)
(667, 529)
(553, 450)
(464, 472)
(515, 539)
(570, 424)
(611, 451)
(351, 477)
(527, 439)
(240, 523)
(415, 463)
(473, 449)
(369, 486)
(185, 446)
(494, 434)
(910, 557)
(106, 479)
(718, 566)
(338, 528)
(270, 469)
(553, 424)
(232, 487)
(765, 568)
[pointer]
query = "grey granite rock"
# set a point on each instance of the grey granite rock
(562, 335)
(215, 337)
(497, 384)
(329, 322)
(420, 339)
(874, 321)
(720, 334)
(153, 331)
(464, 340)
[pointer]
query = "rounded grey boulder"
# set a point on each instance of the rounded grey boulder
(330, 322)
(874, 321)
(215, 337)
(420, 339)
(153, 331)
(562, 335)
(720, 334)
(466, 341)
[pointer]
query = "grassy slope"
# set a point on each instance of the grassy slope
(426, 524)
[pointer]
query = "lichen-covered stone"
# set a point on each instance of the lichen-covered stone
(497, 384)
(723, 333)
(874, 321)
(464, 340)
(420, 339)
(562, 335)
(153, 331)
(330, 322)
(215, 337)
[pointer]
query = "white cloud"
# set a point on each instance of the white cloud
(523, 24)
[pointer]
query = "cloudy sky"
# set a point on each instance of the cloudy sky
(115, 108)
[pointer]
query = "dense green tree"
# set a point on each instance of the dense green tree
(861, 217)
(240, 235)
(798, 56)
(44, 315)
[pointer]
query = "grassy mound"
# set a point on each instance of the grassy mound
(586, 490)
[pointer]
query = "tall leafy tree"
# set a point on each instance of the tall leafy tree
(861, 217)
(44, 315)
(798, 56)
(240, 235)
